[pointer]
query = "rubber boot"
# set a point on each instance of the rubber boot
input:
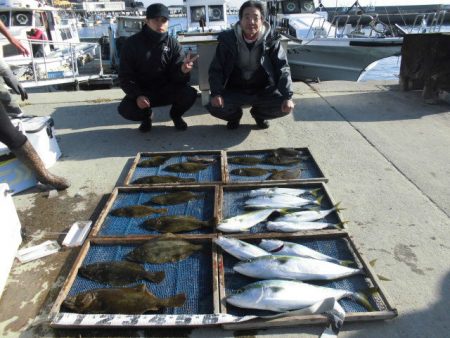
(28, 155)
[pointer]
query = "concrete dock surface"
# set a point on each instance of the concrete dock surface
(386, 154)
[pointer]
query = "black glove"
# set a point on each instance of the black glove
(12, 82)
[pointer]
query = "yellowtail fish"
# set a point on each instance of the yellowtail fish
(293, 225)
(239, 249)
(245, 221)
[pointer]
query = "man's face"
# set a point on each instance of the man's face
(159, 24)
(251, 22)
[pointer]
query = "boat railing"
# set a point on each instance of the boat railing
(366, 25)
(428, 22)
(66, 62)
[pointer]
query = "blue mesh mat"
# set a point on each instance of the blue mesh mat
(211, 174)
(308, 167)
(202, 208)
(192, 276)
(233, 205)
(337, 248)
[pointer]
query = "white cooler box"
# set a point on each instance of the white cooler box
(41, 134)
(10, 238)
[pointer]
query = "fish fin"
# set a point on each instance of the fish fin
(175, 301)
(380, 277)
(363, 298)
(341, 225)
(337, 208)
(346, 262)
(372, 262)
(315, 192)
(319, 200)
(155, 277)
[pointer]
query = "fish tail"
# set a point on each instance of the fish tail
(175, 301)
(362, 298)
(319, 200)
(315, 192)
(337, 208)
(155, 277)
(346, 262)
(341, 225)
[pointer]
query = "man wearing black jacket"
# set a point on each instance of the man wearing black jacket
(250, 68)
(154, 72)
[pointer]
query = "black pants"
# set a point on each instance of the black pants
(181, 97)
(265, 105)
(9, 134)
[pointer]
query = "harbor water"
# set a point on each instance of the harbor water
(385, 69)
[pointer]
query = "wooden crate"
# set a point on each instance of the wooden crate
(226, 278)
(204, 208)
(201, 293)
(310, 170)
(214, 174)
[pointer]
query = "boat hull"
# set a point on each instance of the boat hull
(337, 59)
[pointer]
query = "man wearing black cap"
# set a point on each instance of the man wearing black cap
(154, 72)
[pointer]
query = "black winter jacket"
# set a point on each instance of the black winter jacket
(147, 63)
(274, 61)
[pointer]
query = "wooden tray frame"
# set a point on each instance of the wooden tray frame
(260, 323)
(112, 198)
(249, 152)
(55, 310)
(217, 153)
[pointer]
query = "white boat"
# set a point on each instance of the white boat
(318, 50)
(63, 55)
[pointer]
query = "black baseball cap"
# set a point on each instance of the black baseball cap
(157, 10)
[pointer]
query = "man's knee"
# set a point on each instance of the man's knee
(129, 110)
(186, 95)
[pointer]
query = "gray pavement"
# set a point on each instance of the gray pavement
(385, 152)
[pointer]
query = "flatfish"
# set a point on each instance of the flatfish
(174, 224)
(137, 211)
(244, 160)
(118, 273)
(288, 174)
(175, 198)
(290, 152)
(161, 179)
(202, 160)
(186, 167)
(134, 300)
(153, 161)
(281, 160)
(250, 172)
(164, 249)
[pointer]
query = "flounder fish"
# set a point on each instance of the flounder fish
(290, 152)
(118, 273)
(281, 160)
(153, 161)
(249, 172)
(186, 167)
(244, 160)
(285, 174)
(202, 160)
(164, 249)
(175, 198)
(137, 211)
(174, 224)
(134, 300)
(161, 179)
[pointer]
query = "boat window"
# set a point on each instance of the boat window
(5, 18)
(215, 13)
(65, 33)
(21, 18)
(132, 24)
(197, 12)
(291, 7)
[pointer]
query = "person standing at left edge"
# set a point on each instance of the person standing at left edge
(154, 72)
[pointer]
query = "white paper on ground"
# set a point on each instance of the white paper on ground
(34, 252)
(77, 233)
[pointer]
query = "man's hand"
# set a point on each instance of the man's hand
(143, 102)
(12, 82)
(188, 63)
(287, 106)
(16, 43)
(217, 101)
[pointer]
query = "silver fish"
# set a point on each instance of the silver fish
(293, 268)
(308, 215)
(282, 191)
(281, 248)
(282, 296)
(244, 221)
(280, 202)
(240, 249)
(292, 225)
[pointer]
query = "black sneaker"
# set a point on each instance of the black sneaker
(180, 124)
(146, 125)
(262, 124)
(233, 124)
